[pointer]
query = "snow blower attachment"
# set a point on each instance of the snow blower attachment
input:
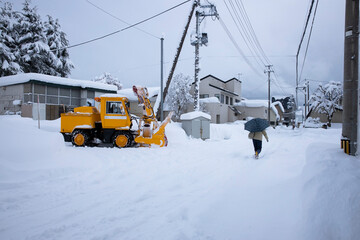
(150, 130)
(113, 124)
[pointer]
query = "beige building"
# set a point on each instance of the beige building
(218, 97)
(259, 109)
(33, 95)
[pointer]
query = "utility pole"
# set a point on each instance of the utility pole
(200, 39)
(268, 71)
(350, 130)
(308, 95)
(162, 80)
(177, 55)
(197, 68)
(306, 90)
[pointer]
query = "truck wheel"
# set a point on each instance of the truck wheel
(121, 139)
(79, 138)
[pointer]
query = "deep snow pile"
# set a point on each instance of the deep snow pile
(302, 187)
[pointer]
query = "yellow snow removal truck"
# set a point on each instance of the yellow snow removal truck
(114, 124)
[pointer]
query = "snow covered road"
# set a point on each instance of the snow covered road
(302, 187)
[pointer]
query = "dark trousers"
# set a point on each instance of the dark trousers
(257, 145)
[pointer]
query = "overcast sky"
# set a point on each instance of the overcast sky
(134, 56)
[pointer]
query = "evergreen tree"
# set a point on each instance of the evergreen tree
(179, 95)
(32, 42)
(58, 60)
(108, 79)
(8, 47)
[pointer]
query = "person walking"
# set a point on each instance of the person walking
(257, 141)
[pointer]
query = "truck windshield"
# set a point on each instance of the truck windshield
(115, 108)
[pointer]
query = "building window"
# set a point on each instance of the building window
(75, 93)
(65, 100)
(75, 102)
(28, 97)
(41, 98)
(204, 95)
(222, 98)
(27, 88)
(39, 89)
(218, 96)
(90, 94)
(227, 100)
(52, 99)
(65, 92)
(75, 97)
(52, 91)
(237, 100)
(231, 101)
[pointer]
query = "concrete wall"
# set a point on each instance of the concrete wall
(234, 85)
(337, 117)
(7, 95)
(218, 112)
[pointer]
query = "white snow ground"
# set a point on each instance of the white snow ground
(302, 187)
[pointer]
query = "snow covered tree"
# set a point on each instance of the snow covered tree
(8, 47)
(327, 99)
(58, 62)
(108, 79)
(34, 49)
(179, 95)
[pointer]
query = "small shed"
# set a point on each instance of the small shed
(196, 124)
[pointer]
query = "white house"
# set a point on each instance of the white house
(218, 98)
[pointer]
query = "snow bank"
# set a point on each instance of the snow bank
(302, 187)
(331, 194)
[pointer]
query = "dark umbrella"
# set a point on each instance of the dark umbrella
(256, 125)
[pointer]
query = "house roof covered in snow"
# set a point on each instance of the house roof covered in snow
(194, 115)
(261, 103)
(129, 93)
(252, 103)
(47, 79)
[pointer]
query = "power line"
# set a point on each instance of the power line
(307, 45)
(131, 26)
(305, 28)
(299, 47)
(237, 47)
(251, 29)
(108, 13)
(245, 36)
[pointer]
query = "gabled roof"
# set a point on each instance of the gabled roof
(231, 79)
(47, 79)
